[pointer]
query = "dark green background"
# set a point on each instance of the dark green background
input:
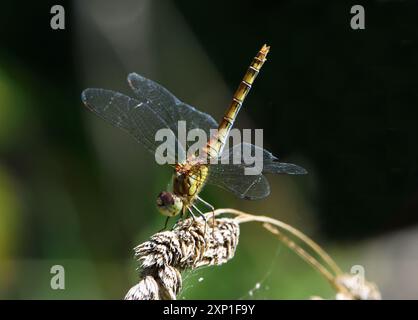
(343, 101)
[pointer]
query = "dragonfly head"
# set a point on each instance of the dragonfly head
(169, 204)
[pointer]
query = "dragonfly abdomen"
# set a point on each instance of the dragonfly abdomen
(216, 144)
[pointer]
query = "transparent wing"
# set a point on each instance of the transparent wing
(153, 108)
(162, 99)
(230, 171)
(232, 178)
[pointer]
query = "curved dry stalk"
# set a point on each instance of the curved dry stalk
(347, 286)
(306, 257)
(245, 217)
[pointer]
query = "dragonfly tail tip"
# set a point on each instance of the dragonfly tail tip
(265, 49)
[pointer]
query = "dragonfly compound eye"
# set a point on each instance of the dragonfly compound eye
(169, 204)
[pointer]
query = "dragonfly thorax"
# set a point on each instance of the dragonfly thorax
(188, 183)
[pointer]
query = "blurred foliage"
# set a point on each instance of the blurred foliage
(77, 192)
(9, 229)
(12, 110)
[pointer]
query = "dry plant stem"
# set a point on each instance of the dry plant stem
(245, 217)
(307, 257)
(270, 224)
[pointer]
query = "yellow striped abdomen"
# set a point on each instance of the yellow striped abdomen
(216, 143)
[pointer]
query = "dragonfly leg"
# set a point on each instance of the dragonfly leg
(191, 213)
(165, 225)
(212, 208)
(202, 215)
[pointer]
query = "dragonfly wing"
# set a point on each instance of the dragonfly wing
(153, 108)
(232, 178)
(138, 118)
(230, 171)
(247, 155)
(172, 109)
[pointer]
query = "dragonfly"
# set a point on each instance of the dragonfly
(154, 107)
